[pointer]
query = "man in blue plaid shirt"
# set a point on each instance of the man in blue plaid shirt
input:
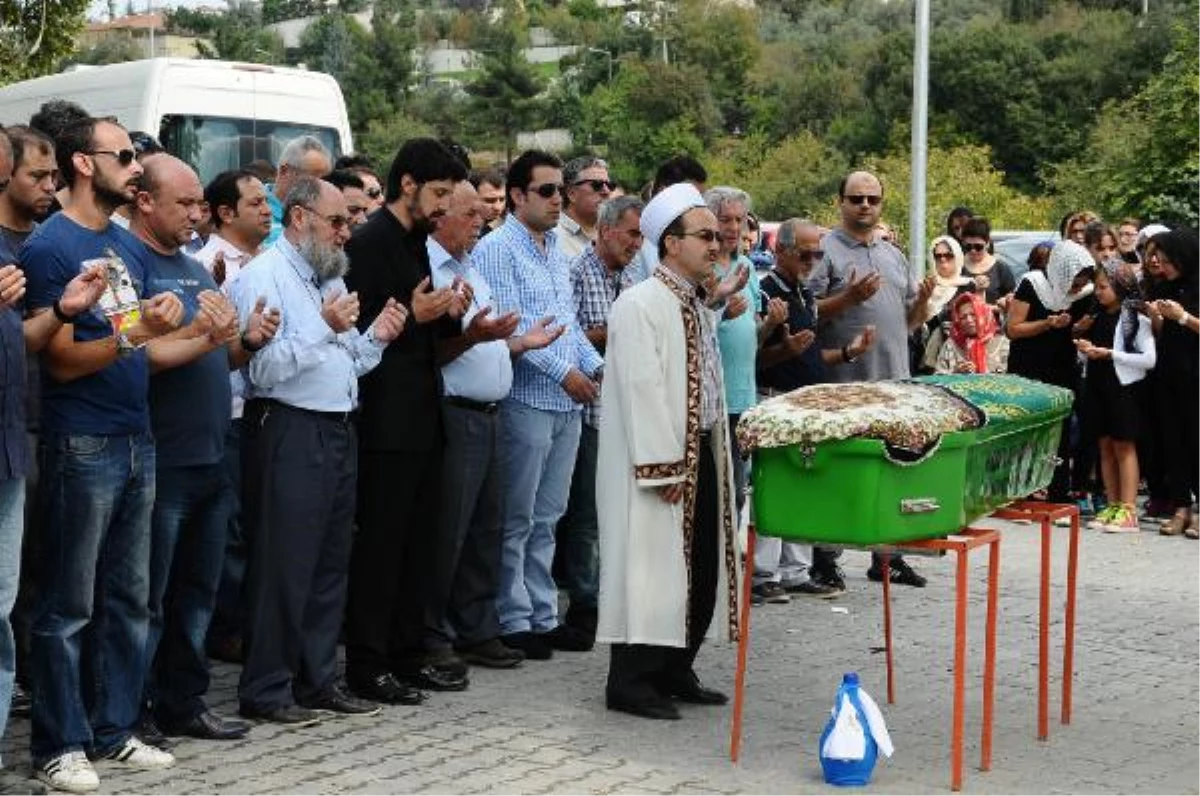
(540, 420)
(598, 276)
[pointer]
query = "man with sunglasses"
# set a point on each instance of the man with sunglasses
(301, 462)
(99, 474)
(664, 481)
(540, 419)
(790, 359)
(863, 283)
(586, 187)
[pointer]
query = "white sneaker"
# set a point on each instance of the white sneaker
(70, 772)
(136, 754)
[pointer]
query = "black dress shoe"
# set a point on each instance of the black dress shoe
(287, 715)
(492, 654)
(384, 688)
(435, 678)
(535, 645)
(646, 707)
(582, 618)
(336, 700)
(21, 704)
(150, 734)
(569, 639)
(445, 659)
(689, 689)
(898, 572)
(210, 727)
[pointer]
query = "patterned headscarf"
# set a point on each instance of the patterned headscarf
(985, 329)
(1053, 287)
(1124, 282)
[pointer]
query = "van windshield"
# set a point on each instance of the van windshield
(213, 144)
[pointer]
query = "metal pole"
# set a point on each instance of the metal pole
(150, 12)
(920, 129)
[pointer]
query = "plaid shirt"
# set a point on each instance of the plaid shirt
(596, 288)
(536, 283)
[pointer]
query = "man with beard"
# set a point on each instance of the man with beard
(98, 480)
(400, 419)
(477, 374)
(539, 420)
(189, 413)
(598, 277)
(301, 459)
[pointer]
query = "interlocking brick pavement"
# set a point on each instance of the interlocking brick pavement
(543, 728)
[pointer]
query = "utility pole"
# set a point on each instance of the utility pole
(150, 15)
(920, 140)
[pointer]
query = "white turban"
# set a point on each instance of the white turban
(668, 205)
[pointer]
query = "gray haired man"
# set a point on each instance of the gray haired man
(598, 276)
(303, 156)
(585, 187)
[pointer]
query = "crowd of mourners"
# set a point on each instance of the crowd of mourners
(310, 404)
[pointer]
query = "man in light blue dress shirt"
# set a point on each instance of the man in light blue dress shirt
(301, 460)
(540, 420)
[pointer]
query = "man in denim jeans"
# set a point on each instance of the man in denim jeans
(98, 483)
(539, 420)
(16, 336)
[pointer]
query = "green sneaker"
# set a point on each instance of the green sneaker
(1123, 520)
(1104, 517)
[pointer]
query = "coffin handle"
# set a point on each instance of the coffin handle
(925, 505)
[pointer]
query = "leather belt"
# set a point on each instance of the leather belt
(336, 417)
(487, 407)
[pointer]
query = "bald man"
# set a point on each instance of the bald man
(189, 414)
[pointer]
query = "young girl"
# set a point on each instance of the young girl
(973, 345)
(1120, 351)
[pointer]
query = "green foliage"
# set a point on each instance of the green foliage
(382, 137)
(1141, 155)
(110, 50)
(35, 35)
(797, 177)
(961, 175)
(721, 38)
(239, 35)
(504, 98)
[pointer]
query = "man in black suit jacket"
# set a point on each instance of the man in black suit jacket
(400, 435)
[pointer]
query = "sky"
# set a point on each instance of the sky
(99, 8)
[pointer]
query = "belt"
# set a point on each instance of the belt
(336, 417)
(487, 407)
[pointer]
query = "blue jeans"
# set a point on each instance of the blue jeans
(87, 668)
(537, 456)
(187, 550)
(12, 521)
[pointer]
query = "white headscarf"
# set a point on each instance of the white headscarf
(1053, 287)
(945, 288)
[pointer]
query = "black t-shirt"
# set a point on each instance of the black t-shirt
(1178, 351)
(1001, 281)
(803, 370)
(1047, 357)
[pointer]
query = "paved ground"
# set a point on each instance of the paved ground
(543, 728)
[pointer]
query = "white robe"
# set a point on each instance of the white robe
(644, 444)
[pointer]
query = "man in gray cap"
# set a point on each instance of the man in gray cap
(664, 480)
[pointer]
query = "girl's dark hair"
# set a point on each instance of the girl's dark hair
(1182, 248)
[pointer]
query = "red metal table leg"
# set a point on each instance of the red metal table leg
(739, 683)
(1043, 731)
(1069, 641)
(887, 631)
(960, 665)
(989, 652)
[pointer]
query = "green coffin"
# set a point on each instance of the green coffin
(852, 492)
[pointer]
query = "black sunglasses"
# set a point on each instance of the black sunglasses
(597, 185)
(974, 247)
(706, 235)
(810, 254)
(546, 189)
(374, 193)
(858, 199)
(123, 156)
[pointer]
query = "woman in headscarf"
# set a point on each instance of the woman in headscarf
(1044, 309)
(946, 265)
(974, 344)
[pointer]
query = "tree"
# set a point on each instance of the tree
(797, 177)
(239, 35)
(1141, 157)
(35, 35)
(722, 39)
(110, 50)
(504, 98)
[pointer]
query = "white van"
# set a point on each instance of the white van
(216, 115)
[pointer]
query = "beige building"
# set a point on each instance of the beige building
(148, 31)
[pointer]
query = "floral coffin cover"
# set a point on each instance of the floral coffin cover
(909, 417)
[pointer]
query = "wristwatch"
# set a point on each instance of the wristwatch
(846, 354)
(125, 346)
